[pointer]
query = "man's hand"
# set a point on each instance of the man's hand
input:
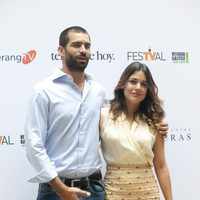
(65, 192)
(162, 128)
(73, 193)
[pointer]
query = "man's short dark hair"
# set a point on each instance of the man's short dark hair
(64, 39)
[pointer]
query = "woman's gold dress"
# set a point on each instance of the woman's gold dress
(127, 150)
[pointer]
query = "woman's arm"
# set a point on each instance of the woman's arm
(161, 167)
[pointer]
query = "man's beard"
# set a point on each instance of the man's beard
(74, 65)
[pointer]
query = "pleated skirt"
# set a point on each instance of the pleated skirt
(131, 182)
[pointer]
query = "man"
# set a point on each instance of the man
(62, 125)
(61, 128)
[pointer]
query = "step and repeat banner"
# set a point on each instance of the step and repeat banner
(162, 34)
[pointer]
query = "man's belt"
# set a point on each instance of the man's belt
(82, 182)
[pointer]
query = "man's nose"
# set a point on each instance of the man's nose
(82, 48)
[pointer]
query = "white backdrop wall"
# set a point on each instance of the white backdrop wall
(156, 32)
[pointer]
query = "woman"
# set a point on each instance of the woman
(130, 143)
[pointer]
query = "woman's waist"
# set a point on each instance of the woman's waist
(129, 165)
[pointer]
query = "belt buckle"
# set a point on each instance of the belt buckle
(76, 183)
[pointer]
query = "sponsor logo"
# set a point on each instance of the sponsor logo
(145, 55)
(22, 140)
(28, 57)
(24, 58)
(99, 56)
(55, 56)
(5, 140)
(179, 135)
(180, 57)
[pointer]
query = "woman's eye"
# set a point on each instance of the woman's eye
(144, 84)
(133, 82)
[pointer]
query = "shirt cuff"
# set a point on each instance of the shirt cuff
(44, 176)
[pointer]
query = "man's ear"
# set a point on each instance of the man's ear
(61, 51)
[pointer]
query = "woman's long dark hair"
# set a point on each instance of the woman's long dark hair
(150, 109)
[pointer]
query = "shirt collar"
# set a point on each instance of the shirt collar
(58, 73)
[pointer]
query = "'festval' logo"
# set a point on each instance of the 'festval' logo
(5, 140)
(145, 55)
(24, 58)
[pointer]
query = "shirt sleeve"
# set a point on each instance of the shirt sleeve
(35, 129)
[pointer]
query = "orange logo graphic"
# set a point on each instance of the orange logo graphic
(28, 57)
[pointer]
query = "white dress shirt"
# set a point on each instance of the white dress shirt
(62, 127)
